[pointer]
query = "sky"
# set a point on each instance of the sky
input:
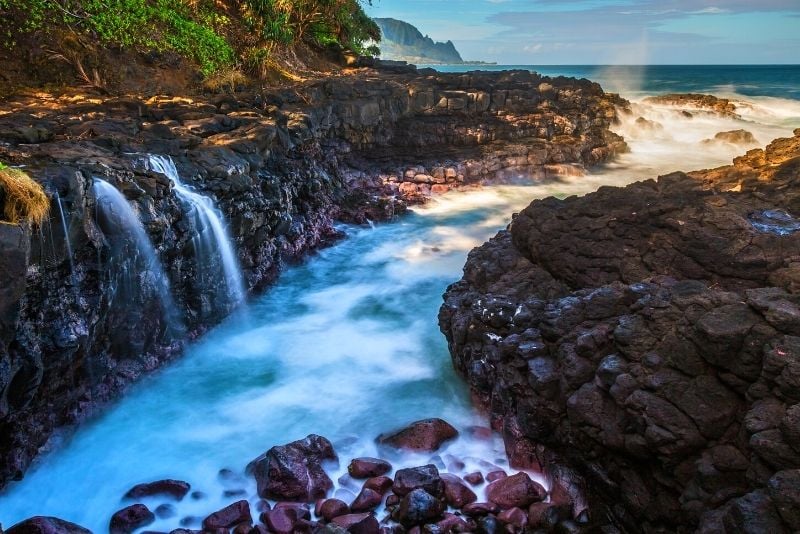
(587, 32)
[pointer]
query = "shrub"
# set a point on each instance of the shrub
(23, 198)
(216, 34)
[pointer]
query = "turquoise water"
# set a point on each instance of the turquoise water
(781, 81)
(345, 345)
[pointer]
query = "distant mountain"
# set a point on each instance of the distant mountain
(403, 42)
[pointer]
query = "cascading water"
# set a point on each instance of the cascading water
(137, 258)
(67, 241)
(211, 239)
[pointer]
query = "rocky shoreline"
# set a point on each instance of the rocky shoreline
(81, 317)
(647, 336)
(295, 494)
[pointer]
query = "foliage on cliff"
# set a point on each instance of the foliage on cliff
(22, 198)
(215, 34)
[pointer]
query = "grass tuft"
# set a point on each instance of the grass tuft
(23, 198)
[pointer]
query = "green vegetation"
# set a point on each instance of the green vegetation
(216, 34)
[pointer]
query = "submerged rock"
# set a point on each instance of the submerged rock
(176, 489)
(131, 518)
(46, 525)
(294, 471)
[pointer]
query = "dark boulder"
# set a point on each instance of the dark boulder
(176, 489)
(417, 508)
(358, 523)
(46, 525)
(131, 518)
(425, 477)
(228, 517)
(294, 472)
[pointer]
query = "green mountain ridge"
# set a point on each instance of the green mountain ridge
(403, 42)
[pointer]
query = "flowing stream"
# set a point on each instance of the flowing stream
(345, 345)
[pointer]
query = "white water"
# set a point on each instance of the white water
(212, 239)
(135, 258)
(67, 240)
(345, 345)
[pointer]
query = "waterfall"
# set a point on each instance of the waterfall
(121, 221)
(65, 228)
(212, 239)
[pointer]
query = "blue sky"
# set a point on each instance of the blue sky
(541, 32)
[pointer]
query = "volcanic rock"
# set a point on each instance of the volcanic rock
(649, 335)
(515, 491)
(426, 435)
(294, 471)
(366, 501)
(417, 508)
(46, 525)
(358, 523)
(456, 493)
(424, 477)
(229, 517)
(131, 518)
(368, 467)
(176, 489)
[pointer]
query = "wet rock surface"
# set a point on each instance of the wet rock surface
(646, 336)
(46, 525)
(294, 472)
(281, 167)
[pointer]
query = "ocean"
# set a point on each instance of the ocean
(778, 81)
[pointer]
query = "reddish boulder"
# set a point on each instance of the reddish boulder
(368, 467)
(46, 525)
(380, 484)
(452, 523)
(425, 477)
(366, 501)
(515, 491)
(280, 520)
(331, 508)
(358, 523)
(474, 478)
(476, 509)
(426, 435)
(294, 471)
(496, 475)
(177, 489)
(229, 517)
(456, 493)
(514, 518)
(131, 518)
